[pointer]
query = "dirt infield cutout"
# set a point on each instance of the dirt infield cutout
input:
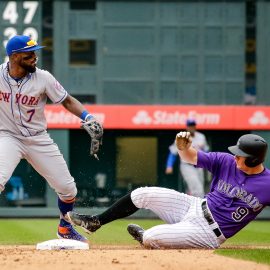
(118, 257)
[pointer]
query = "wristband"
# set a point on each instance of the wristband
(85, 115)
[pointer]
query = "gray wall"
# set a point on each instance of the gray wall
(263, 53)
(166, 52)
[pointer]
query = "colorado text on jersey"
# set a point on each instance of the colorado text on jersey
(240, 193)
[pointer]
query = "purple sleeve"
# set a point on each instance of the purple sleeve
(210, 161)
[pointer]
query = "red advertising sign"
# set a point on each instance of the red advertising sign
(165, 117)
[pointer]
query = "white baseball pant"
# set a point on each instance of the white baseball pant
(186, 226)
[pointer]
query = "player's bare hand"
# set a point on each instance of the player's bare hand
(169, 170)
(183, 140)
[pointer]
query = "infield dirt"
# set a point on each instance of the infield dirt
(118, 257)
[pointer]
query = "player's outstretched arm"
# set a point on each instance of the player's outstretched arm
(89, 123)
(73, 105)
(186, 152)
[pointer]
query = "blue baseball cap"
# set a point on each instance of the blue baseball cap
(191, 122)
(19, 44)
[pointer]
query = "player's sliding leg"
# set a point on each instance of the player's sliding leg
(193, 232)
(187, 227)
(122, 208)
(168, 204)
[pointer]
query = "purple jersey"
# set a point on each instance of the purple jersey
(235, 198)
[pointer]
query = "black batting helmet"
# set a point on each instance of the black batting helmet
(251, 146)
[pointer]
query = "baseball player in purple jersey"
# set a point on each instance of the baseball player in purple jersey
(239, 191)
(24, 90)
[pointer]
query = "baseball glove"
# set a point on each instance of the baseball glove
(95, 131)
(183, 140)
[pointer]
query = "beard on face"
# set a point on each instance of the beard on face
(28, 68)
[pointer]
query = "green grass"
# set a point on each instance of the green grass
(257, 233)
(32, 231)
(116, 233)
(26, 231)
(256, 255)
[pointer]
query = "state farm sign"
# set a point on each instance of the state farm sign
(165, 117)
(161, 117)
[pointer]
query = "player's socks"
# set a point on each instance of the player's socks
(63, 223)
(65, 207)
(65, 229)
(124, 207)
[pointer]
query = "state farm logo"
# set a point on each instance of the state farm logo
(142, 117)
(258, 118)
(163, 117)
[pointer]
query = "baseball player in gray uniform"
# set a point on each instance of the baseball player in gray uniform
(193, 177)
(24, 90)
(239, 191)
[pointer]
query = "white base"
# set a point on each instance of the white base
(57, 244)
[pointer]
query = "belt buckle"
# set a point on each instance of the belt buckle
(209, 218)
(206, 213)
(204, 209)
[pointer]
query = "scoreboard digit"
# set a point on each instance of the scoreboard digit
(19, 18)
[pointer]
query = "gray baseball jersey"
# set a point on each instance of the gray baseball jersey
(22, 103)
(23, 132)
(194, 177)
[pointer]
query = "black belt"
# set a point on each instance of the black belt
(209, 218)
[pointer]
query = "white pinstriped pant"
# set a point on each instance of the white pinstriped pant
(186, 226)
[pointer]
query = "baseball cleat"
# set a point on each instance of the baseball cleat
(136, 232)
(89, 223)
(68, 232)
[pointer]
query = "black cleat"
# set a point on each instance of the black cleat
(136, 232)
(89, 223)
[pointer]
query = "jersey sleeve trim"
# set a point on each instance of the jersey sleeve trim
(62, 99)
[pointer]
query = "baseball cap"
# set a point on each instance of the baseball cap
(21, 43)
(249, 145)
(191, 122)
